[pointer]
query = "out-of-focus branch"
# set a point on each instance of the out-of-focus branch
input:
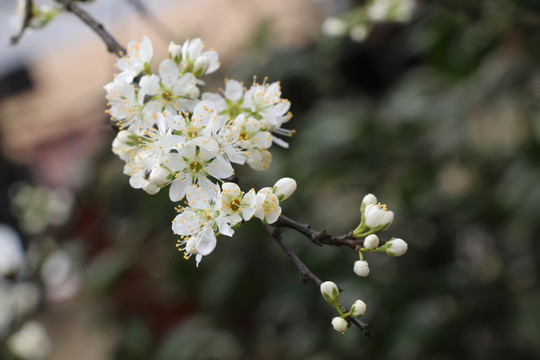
(319, 238)
(306, 274)
(112, 45)
(26, 21)
(163, 31)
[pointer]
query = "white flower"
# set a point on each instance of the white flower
(235, 205)
(268, 208)
(371, 242)
(249, 133)
(175, 51)
(193, 56)
(284, 188)
(361, 268)
(397, 247)
(153, 154)
(330, 292)
(12, 259)
(340, 324)
(259, 159)
(266, 103)
(358, 308)
(377, 215)
(194, 162)
(139, 55)
(198, 223)
(171, 90)
(126, 105)
(230, 101)
(125, 145)
(31, 342)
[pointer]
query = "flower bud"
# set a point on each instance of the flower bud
(125, 136)
(175, 51)
(397, 247)
(371, 242)
(150, 188)
(340, 324)
(358, 308)
(202, 63)
(284, 188)
(361, 268)
(159, 176)
(330, 292)
(369, 199)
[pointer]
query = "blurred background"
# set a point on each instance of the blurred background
(431, 105)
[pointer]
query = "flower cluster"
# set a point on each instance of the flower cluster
(173, 135)
(375, 217)
(359, 21)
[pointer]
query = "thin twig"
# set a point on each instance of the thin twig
(112, 45)
(306, 274)
(26, 21)
(319, 238)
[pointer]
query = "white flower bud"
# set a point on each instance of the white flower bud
(159, 176)
(150, 188)
(175, 50)
(202, 63)
(340, 324)
(333, 26)
(30, 342)
(330, 292)
(284, 188)
(358, 33)
(369, 199)
(371, 242)
(358, 308)
(397, 247)
(361, 268)
(124, 136)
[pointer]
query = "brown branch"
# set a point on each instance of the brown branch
(306, 274)
(112, 45)
(26, 21)
(319, 238)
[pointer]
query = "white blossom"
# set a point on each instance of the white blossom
(235, 205)
(268, 208)
(198, 223)
(126, 105)
(193, 55)
(377, 215)
(139, 55)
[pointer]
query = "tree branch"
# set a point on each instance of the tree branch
(319, 238)
(112, 45)
(26, 21)
(306, 274)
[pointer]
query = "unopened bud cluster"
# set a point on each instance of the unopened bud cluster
(330, 292)
(375, 217)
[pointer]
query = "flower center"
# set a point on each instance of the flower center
(195, 166)
(235, 205)
(167, 96)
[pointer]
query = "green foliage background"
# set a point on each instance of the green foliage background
(440, 119)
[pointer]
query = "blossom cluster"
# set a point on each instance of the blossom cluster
(173, 134)
(359, 21)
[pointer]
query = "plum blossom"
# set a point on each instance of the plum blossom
(268, 208)
(138, 57)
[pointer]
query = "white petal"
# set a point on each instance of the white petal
(207, 241)
(223, 227)
(198, 198)
(220, 168)
(168, 72)
(137, 180)
(186, 223)
(150, 84)
(233, 90)
(178, 188)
